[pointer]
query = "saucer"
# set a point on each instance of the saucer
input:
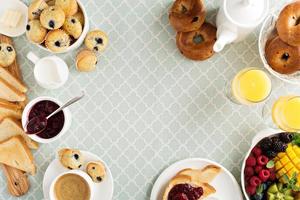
(14, 5)
(225, 183)
(103, 190)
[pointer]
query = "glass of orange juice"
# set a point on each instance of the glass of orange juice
(249, 86)
(284, 113)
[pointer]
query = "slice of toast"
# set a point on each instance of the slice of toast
(10, 104)
(15, 153)
(8, 77)
(205, 175)
(10, 111)
(9, 92)
(182, 179)
(10, 127)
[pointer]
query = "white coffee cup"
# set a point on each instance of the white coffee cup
(80, 173)
(50, 72)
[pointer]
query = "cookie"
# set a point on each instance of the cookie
(79, 15)
(7, 54)
(52, 17)
(86, 61)
(96, 40)
(35, 9)
(70, 158)
(35, 32)
(70, 7)
(73, 27)
(96, 170)
(57, 40)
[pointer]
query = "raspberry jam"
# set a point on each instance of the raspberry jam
(185, 192)
(54, 124)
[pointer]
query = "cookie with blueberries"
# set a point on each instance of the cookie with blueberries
(57, 40)
(35, 32)
(7, 54)
(52, 17)
(73, 27)
(70, 158)
(96, 41)
(96, 170)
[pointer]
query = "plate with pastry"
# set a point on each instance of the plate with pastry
(195, 179)
(13, 17)
(83, 163)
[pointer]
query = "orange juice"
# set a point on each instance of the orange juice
(286, 113)
(250, 86)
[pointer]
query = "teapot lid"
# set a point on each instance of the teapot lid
(246, 12)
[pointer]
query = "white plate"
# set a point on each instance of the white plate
(103, 190)
(20, 7)
(225, 184)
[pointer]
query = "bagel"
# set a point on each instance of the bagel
(197, 45)
(288, 24)
(282, 57)
(187, 15)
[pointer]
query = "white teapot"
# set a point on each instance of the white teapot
(237, 18)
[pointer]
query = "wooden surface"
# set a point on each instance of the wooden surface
(17, 182)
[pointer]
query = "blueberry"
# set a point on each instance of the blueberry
(195, 19)
(51, 24)
(79, 166)
(93, 168)
(9, 49)
(0, 48)
(73, 21)
(70, 168)
(57, 43)
(96, 63)
(76, 156)
(28, 27)
(96, 48)
(99, 40)
(99, 178)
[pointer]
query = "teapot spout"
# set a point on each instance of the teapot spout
(224, 38)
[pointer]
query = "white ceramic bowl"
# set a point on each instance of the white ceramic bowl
(260, 135)
(80, 40)
(76, 172)
(268, 28)
(65, 128)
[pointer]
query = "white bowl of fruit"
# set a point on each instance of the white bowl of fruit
(271, 169)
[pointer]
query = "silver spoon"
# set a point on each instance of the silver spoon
(39, 123)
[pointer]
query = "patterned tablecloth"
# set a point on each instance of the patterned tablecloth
(146, 105)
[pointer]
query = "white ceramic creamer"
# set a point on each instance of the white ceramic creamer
(237, 18)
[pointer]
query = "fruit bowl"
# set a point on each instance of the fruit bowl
(271, 168)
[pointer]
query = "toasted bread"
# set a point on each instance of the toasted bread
(205, 175)
(10, 104)
(10, 111)
(10, 127)
(182, 179)
(15, 153)
(8, 77)
(9, 92)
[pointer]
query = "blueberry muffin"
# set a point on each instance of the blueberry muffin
(96, 40)
(52, 17)
(35, 32)
(70, 158)
(96, 170)
(73, 27)
(57, 40)
(7, 54)
(79, 15)
(35, 9)
(70, 7)
(86, 61)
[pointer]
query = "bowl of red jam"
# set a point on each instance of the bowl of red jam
(56, 126)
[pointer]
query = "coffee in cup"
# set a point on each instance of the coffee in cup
(72, 186)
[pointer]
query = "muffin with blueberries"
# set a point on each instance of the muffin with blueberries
(52, 18)
(70, 158)
(35, 32)
(86, 61)
(57, 40)
(96, 41)
(7, 54)
(73, 27)
(35, 9)
(70, 7)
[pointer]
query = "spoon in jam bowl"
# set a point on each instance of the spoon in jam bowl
(39, 123)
